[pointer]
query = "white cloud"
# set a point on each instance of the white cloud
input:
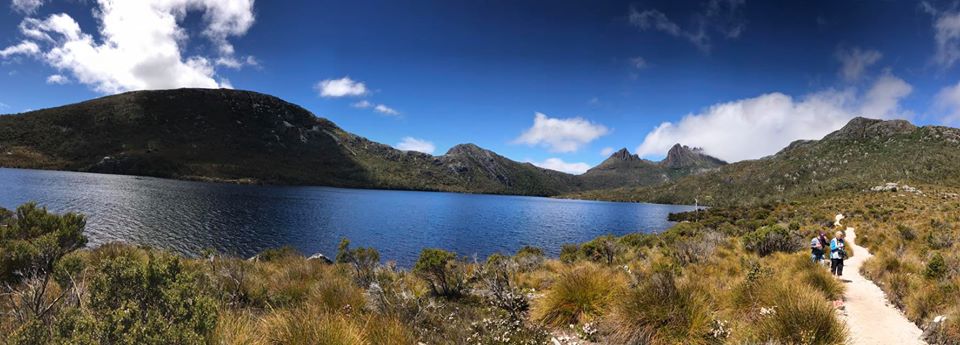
(946, 27)
(759, 126)
(362, 104)
(948, 102)
(26, 6)
(414, 144)
(340, 87)
(638, 62)
(237, 63)
(24, 48)
(607, 151)
(717, 16)
(559, 165)
(561, 135)
(141, 43)
(383, 109)
(855, 61)
(3, 105)
(58, 79)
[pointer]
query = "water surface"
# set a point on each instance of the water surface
(189, 217)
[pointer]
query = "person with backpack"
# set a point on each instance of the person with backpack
(818, 247)
(837, 254)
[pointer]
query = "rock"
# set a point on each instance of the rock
(321, 257)
(864, 128)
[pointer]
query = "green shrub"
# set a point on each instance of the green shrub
(569, 253)
(936, 268)
(363, 260)
(156, 300)
(602, 249)
(441, 269)
(274, 254)
(906, 233)
(35, 240)
(771, 239)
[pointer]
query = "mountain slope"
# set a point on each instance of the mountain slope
(230, 135)
(862, 154)
(626, 169)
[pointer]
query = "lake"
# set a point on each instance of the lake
(243, 220)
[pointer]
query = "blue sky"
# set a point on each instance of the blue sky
(739, 78)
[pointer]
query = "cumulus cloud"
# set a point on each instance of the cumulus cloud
(946, 29)
(362, 104)
(855, 61)
(607, 151)
(342, 87)
(414, 144)
(559, 165)
(722, 17)
(141, 43)
(948, 102)
(561, 135)
(383, 109)
(58, 79)
(759, 126)
(26, 6)
(23, 48)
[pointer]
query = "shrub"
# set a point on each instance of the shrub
(580, 293)
(274, 254)
(771, 239)
(499, 289)
(602, 249)
(660, 311)
(36, 240)
(936, 268)
(363, 260)
(154, 301)
(906, 233)
(569, 253)
(445, 275)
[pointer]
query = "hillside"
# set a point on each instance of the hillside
(862, 154)
(624, 168)
(228, 135)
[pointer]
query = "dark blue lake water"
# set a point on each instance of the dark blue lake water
(243, 220)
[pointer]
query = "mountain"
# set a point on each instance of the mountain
(228, 135)
(626, 169)
(862, 154)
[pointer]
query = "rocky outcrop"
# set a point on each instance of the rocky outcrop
(685, 157)
(864, 128)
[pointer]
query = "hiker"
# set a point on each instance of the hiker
(818, 247)
(837, 254)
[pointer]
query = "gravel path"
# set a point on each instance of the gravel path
(870, 318)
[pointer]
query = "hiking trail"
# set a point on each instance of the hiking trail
(870, 318)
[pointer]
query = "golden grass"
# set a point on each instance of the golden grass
(580, 294)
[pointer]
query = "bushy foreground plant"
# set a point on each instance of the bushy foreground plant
(580, 294)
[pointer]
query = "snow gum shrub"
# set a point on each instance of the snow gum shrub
(661, 310)
(569, 253)
(151, 299)
(363, 260)
(581, 293)
(771, 239)
(445, 275)
(34, 240)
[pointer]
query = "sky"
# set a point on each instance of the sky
(561, 84)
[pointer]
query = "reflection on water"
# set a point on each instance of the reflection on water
(191, 216)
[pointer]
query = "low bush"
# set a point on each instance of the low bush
(581, 293)
(771, 239)
(445, 274)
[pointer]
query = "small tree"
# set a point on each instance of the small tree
(442, 271)
(363, 260)
(31, 245)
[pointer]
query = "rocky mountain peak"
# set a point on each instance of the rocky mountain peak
(624, 155)
(681, 157)
(864, 128)
(468, 149)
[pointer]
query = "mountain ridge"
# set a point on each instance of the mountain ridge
(250, 137)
